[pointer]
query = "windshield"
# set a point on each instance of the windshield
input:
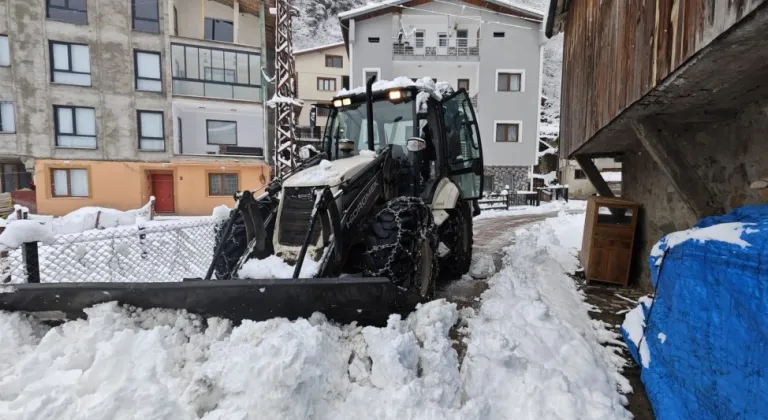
(393, 124)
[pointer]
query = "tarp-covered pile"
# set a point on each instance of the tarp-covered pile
(703, 340)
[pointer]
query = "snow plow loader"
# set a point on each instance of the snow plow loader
(367, 223)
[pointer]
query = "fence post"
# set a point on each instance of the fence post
(4, 263)
(31, 261)
(142, 242)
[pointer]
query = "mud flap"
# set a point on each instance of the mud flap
(369, 301)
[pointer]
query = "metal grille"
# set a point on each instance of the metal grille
(295, 215)
(157, 251)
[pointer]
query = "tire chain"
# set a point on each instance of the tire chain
(425, 230)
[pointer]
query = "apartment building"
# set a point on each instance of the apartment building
(109, 102)
(322, 72)
(492, 49)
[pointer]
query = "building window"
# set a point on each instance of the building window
(69, 182)
(419, 39)
(442, 40)
(335, 61)
(219, 30)
(222, 184)
(5, 52)
(499, 34)
(464, 84)
(71, 64)
(146, 16)
(215, 73)
(325, 84)
(579, 174)
(508, 132)
(462, 38)
(222, 132)
(73, 11)
(148, 71)
(368, 73)
(14, 177)
(7, 123)
(509, 81)
(75, 127)
(374, 40)
(151, 131)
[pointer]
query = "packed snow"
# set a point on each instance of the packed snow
(274, 267)
(531, 352)
(221, 213)
(322, 174)
(634, 325)
(482, 267)
(22, 231)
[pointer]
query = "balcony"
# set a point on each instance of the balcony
(441, 48)
(204, 69)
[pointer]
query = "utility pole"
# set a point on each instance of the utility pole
(286, 106)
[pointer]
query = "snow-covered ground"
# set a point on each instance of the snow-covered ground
(532, 353)
(548, 207)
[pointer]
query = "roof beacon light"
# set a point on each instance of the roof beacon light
(395, 95)
(347, 101)
(337, 103)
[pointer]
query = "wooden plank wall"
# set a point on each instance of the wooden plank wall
(617, 50)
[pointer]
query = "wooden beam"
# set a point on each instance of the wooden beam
(670, 159)
(593, 174)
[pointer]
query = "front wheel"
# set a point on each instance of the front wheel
(401, 246)
(456, 236)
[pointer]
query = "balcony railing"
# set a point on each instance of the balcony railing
(214, 72)
(441, 48)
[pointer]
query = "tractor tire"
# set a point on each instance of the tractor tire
(457, 235)
(401, 245)
(236, 244)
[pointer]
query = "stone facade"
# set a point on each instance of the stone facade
(496, 177)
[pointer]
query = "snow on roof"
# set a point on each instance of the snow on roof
(373, 7)
(319, 48)
(427, 86)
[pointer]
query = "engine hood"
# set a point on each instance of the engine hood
(329, 173)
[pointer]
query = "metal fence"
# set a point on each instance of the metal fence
(497, 201)
(157, 251)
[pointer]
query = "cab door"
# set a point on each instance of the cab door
(462, 149)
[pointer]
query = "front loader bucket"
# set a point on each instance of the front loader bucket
(367, 300)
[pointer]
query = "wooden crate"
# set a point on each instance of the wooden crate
(609, 235)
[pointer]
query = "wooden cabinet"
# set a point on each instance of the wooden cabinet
(609, 234)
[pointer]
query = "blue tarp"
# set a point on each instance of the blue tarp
(711, 308)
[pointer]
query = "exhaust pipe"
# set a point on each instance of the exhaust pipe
(369, 109)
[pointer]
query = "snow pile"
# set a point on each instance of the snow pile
(321, 174)
(533, 350)
(548, 207)
(221, 213)
(634, 326)
(22, 231)
(725, 232)
(89, 218)
(273, 267)
(279, 99)
(482, 267)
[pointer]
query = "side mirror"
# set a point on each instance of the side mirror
(416, 144)
(307, 152)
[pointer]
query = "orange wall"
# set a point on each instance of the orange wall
(127, 185)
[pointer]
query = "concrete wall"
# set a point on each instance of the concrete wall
(310, 66)
(728, 156)
(112, 94)
(364, 54)
(127, 185)
(582, 188)
(193, 115)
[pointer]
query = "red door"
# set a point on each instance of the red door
(162, 189)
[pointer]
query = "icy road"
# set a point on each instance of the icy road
(532, 352)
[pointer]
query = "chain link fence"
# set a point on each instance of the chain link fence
(156, 251)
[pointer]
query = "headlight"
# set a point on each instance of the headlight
(337, 103)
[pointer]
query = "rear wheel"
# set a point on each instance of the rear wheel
(457, 236)
(401, 246)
